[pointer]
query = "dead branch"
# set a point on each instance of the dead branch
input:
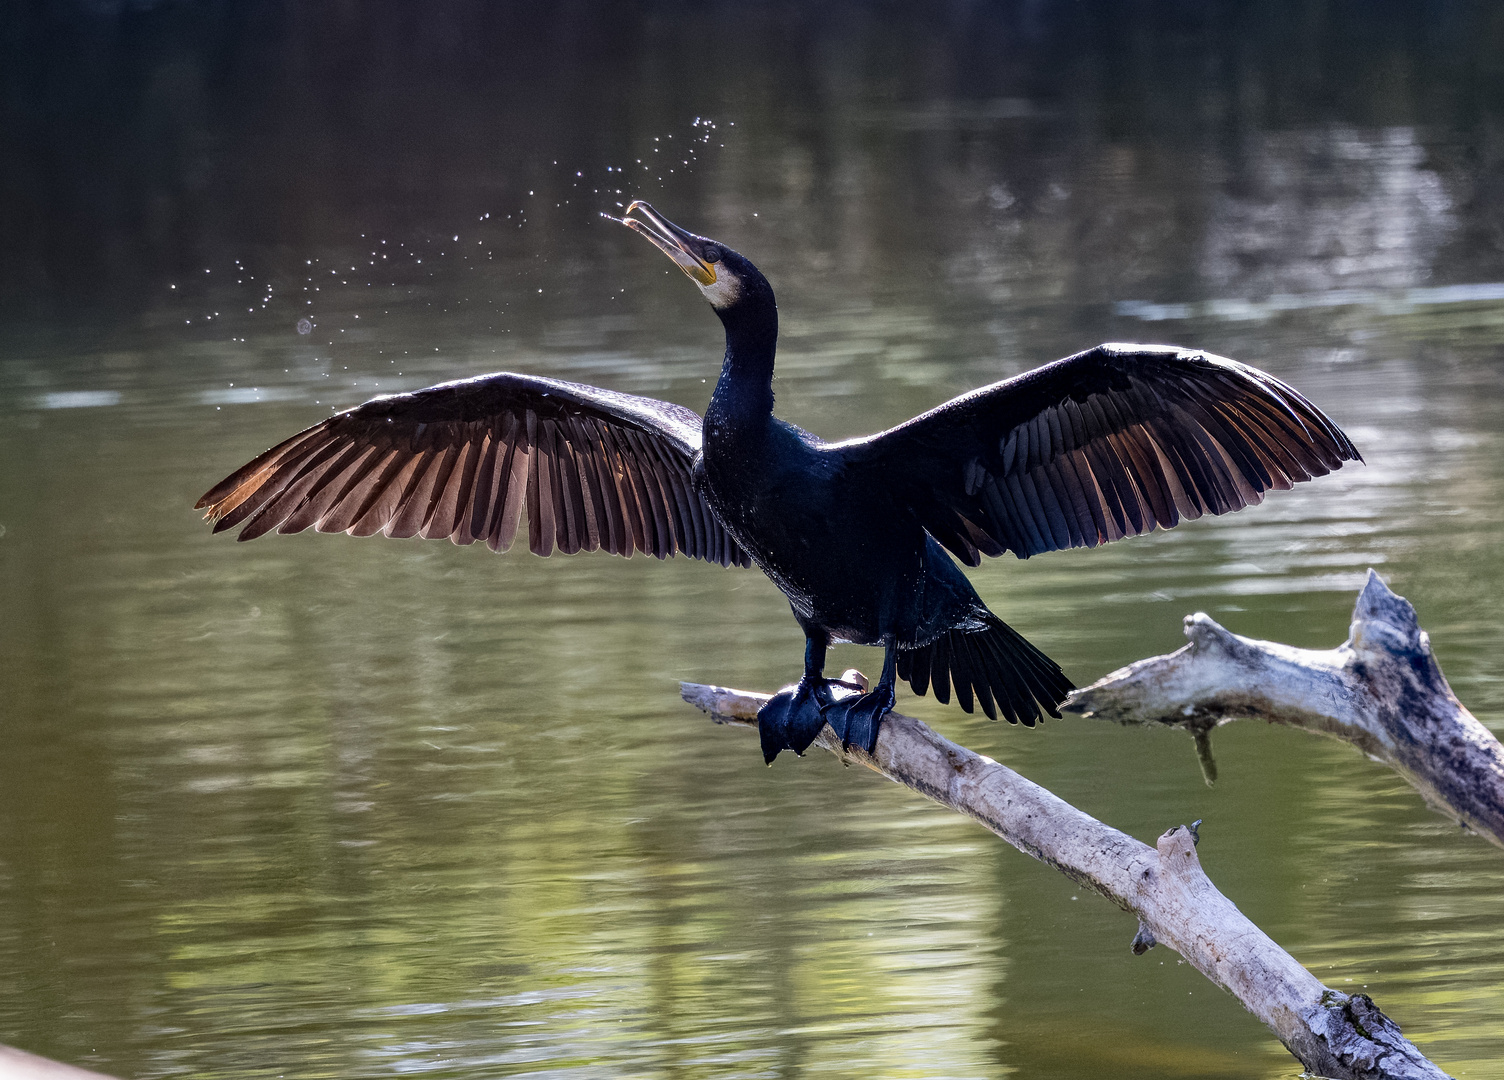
(19, 1065)
(1333, 1034)
(1381, 690)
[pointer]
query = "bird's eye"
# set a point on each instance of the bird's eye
(712, 253)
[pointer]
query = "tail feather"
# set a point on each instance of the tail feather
(917, 676)
(984, 690)
(1013, 696)
(940, 669)
(960, 671)
(995, 665)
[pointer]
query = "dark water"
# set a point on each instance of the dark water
(320, 807)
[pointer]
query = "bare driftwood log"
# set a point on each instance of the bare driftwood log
(19, 1065)
(1381, 690)
(1333, 1034)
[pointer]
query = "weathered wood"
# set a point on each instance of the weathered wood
(1333, 1034)
(1381, 690)
(19, 1065)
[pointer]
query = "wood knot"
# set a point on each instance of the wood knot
(1176, 841)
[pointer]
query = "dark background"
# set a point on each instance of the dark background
(140, 141)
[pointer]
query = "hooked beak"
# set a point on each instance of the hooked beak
(673, 241)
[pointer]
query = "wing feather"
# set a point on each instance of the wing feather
(382, 503)
(508, 517)
(614, 530)
(540, 503)
(473, 523)
(590, 481)
(453, 498)
(266, 483)
(1112, 442)
(425, 496)
(335, 478)
(590, 468)
(292, 486)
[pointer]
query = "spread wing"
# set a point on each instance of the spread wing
(1105, 444)
(593, 468)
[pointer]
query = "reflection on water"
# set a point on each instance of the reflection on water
(321, 807)
(1317, 211)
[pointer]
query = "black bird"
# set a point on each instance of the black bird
(1108, 443)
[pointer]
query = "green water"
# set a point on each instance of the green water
(316, 806)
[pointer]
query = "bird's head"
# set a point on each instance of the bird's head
(726, 278)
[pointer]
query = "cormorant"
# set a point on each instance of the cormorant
(1108, 443)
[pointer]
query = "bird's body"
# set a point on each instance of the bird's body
(854, 563)
(845, 564)
(859, 535)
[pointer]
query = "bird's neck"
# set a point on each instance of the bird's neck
(743, 398)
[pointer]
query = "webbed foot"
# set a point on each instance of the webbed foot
(856, 719)
(792, 718)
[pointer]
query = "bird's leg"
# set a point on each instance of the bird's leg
(856, 719)
(792, 718)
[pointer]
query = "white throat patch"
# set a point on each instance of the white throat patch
(725, 291)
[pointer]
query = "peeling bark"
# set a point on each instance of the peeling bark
(1381, 690)
(1332, 1034)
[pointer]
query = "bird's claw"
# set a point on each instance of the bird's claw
(856, 719)
(792, 718)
